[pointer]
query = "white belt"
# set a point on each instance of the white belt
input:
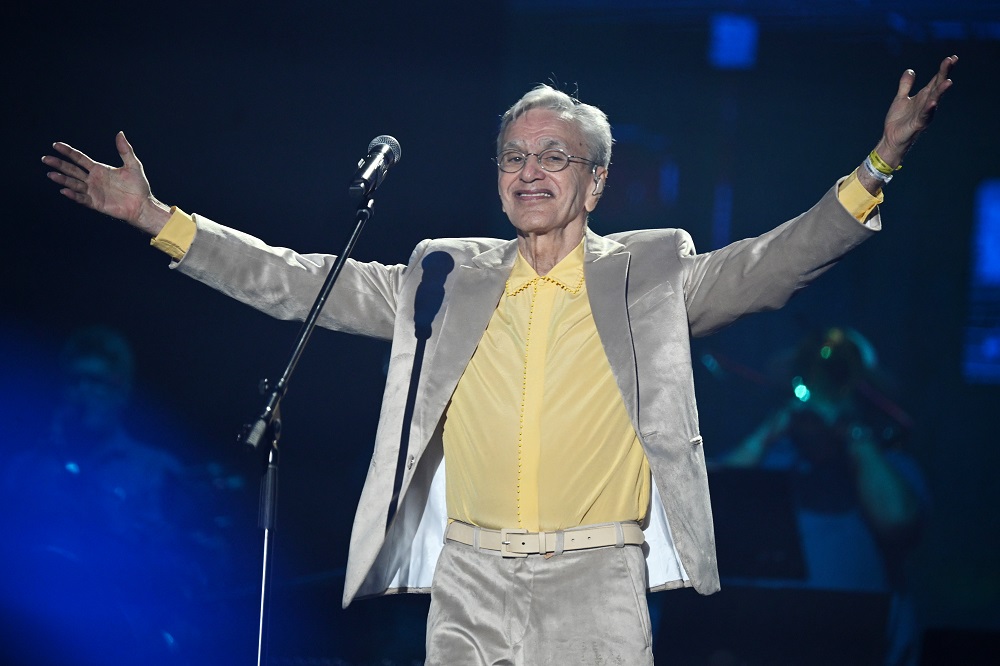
(521, 543)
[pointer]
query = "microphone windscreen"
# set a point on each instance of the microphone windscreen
(386, 140)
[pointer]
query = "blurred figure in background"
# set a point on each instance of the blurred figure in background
(860, 500)
(108, 551)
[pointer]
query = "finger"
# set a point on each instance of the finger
(905, 84)
(125, 150)
(945, 70)
(946, 65)
(67, 168)
(75, 155)
(75, 196)
(941, 77)
(940, 90)
(937, 88)
(67, 182)
(72, 189)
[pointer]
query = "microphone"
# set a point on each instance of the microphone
(383, 152)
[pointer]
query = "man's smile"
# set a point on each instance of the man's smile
(533, 194)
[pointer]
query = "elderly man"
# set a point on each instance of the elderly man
(554, 379)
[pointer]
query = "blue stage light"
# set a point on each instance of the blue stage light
(982, 331)
(987, 234)
(733, 42)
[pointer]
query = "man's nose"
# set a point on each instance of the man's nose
(532, 169)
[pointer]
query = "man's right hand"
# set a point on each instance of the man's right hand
(122, 192)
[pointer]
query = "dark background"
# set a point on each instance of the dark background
(254, 114)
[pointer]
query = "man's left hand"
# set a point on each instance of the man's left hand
(909, 116)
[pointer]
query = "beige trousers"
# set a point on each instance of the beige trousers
(580, 607)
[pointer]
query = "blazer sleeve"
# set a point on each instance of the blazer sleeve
(762, 273)
(284, 284)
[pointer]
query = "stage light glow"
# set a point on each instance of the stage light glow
(733, 43)
(982, 330)
(800, 389)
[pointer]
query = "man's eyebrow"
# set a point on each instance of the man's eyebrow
(519, 145)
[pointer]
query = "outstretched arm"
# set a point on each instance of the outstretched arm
(751, 451)
(122, 192)
(887, 498)
(907, 118)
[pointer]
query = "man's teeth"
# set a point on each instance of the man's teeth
(534, 194)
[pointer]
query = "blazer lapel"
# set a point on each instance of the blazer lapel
(606, 272)
(474, 294)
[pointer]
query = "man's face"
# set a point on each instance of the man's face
(539, 201)
(94, 395)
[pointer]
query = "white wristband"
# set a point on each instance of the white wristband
(875, 173)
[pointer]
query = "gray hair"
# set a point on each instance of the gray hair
(592, 122)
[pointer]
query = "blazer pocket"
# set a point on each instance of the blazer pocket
(650, 299)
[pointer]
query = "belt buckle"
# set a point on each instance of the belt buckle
(505, 542)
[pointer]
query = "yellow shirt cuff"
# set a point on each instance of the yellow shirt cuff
(176, 235)
(858, 201)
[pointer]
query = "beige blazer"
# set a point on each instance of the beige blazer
(649, 292)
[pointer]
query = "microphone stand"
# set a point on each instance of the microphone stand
(263, 434)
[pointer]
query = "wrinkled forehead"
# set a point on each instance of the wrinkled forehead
(540, 129)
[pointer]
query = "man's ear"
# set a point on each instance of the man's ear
(600, 179)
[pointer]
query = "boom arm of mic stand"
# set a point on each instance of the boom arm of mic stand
(253, 433)
(267, 426)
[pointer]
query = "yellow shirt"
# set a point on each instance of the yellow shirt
(536, 435)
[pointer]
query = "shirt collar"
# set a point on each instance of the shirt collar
(567, 274)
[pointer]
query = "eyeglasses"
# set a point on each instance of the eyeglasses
(551, 160)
